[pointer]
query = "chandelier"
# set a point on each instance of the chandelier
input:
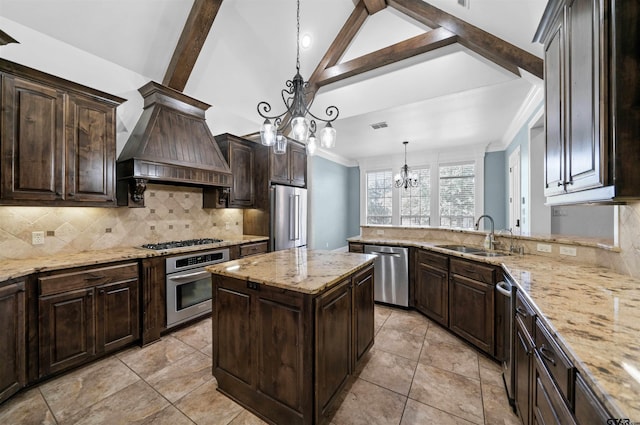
(405, 178)
(298, 98)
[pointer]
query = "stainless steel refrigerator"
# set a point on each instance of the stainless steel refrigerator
(288, 217)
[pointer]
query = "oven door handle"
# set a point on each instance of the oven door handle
(189, 277)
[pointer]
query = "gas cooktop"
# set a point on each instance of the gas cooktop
(179, 244)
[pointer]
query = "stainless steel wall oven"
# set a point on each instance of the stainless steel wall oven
(189, 285)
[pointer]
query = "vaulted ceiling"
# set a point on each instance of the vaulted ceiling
(439, 74)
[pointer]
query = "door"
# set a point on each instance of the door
(242, 167)
(289, 214)
(298, 164)
(515, 192)
(12, 340)
(117, 315)
(432, 293)
(364, 318)
(471, 311)
(32, 141)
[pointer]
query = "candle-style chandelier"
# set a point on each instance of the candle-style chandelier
(298, 98)
(406, 178)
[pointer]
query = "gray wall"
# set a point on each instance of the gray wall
(495, 188)
(334, 197)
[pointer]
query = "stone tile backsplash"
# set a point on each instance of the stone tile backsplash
(170, 213)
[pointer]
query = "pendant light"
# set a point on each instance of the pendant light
(405, 178)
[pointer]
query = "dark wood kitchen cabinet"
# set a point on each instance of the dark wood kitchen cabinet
(289, 168)
(256, 248)
(152, 299)
(588, 410)
(13, 357)
(432, 286)
(85, 313)
(58, 141)
(471, 302)
(288, 354)
(523, 321)
(240, 155)
(592, 70)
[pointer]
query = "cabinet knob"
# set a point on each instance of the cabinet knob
(560, 184)
(71, 194)
(58, 194)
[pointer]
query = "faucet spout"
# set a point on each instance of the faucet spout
(491, 235)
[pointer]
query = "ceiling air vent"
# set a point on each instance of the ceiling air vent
(379, 125)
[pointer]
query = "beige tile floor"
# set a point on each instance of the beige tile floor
(416, 373)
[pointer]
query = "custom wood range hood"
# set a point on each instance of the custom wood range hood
(171, 143)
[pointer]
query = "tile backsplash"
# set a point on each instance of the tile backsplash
(170, 213)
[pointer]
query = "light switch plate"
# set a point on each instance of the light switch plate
(568, 250)
(543, 247)
(37, 238)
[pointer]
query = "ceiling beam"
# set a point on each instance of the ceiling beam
(423, 43)
(194, 34)
(6, 38)
(374, 6)
(342, 41)
(485, 44)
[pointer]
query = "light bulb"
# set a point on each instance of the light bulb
(300, 128)
(268, 133)
(312, 146)
(328, 136)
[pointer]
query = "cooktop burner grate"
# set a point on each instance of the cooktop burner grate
(179, 244)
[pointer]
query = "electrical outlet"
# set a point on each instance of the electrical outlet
(37, 238)
(568, 250)
(227, 226)
(543, 247)
(379, 232)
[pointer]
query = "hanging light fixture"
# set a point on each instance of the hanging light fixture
(297, 98)
(405, 178)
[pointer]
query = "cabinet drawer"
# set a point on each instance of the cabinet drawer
(433, 259)
(555, 360)
(356, 247)
(62, 282)
(472, 270)
(253, 249)
(524, 312)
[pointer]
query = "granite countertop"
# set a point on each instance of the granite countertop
(593, 313)
(10, 269)
(297, 269)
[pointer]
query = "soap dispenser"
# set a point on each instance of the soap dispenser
(487, 241)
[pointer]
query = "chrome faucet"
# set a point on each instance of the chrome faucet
(492, 234)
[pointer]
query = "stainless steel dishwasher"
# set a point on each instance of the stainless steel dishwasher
(391, 274)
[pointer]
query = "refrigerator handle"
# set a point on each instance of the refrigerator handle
(296, 218)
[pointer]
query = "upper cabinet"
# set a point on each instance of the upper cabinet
(592, 79)
(289, 168)
(58, 141)
(240, 155)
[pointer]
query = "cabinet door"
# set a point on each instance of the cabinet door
(471, 311)
(12, 340)
(333, 344)
(66, 330)
(547, 403)
(152, 300)
(298, 165)
(233, 354)
(117, 315)
(522, 364)
(432, 293)
(90, 151)
(241, 158)
(584, 168)
(279, 167)
(587, 407)
(32, 141)
(554, 165)
(364, 317)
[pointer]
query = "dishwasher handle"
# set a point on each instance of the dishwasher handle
(388, 254)
(504, 288)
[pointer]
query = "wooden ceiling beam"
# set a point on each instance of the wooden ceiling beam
(6, 38)
(485, 44)
(423, 43)
(194, 34)
(374, 6)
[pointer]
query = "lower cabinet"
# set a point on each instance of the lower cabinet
(432, 286)
(12, 338)
(471, 303)
(86, 313)
(285, 354)
(523, 367)
(253, 249)
(547, 403)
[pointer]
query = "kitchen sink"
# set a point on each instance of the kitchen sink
(461, 248)
(473, 251)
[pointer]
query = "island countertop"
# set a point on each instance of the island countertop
(297, 269)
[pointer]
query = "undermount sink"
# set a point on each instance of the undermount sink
(471, 250)
(461, 248)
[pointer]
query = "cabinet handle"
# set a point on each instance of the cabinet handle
(547, 355)
(570, 182)
(71, 194)
(561, 184)
(58, 194)
(522, 312)
(94, 277)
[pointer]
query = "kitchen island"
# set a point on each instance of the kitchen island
(289, 328)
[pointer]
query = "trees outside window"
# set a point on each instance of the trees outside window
(457, 195)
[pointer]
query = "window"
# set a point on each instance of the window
(415, 208)
(379, 193)
(457, 195)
